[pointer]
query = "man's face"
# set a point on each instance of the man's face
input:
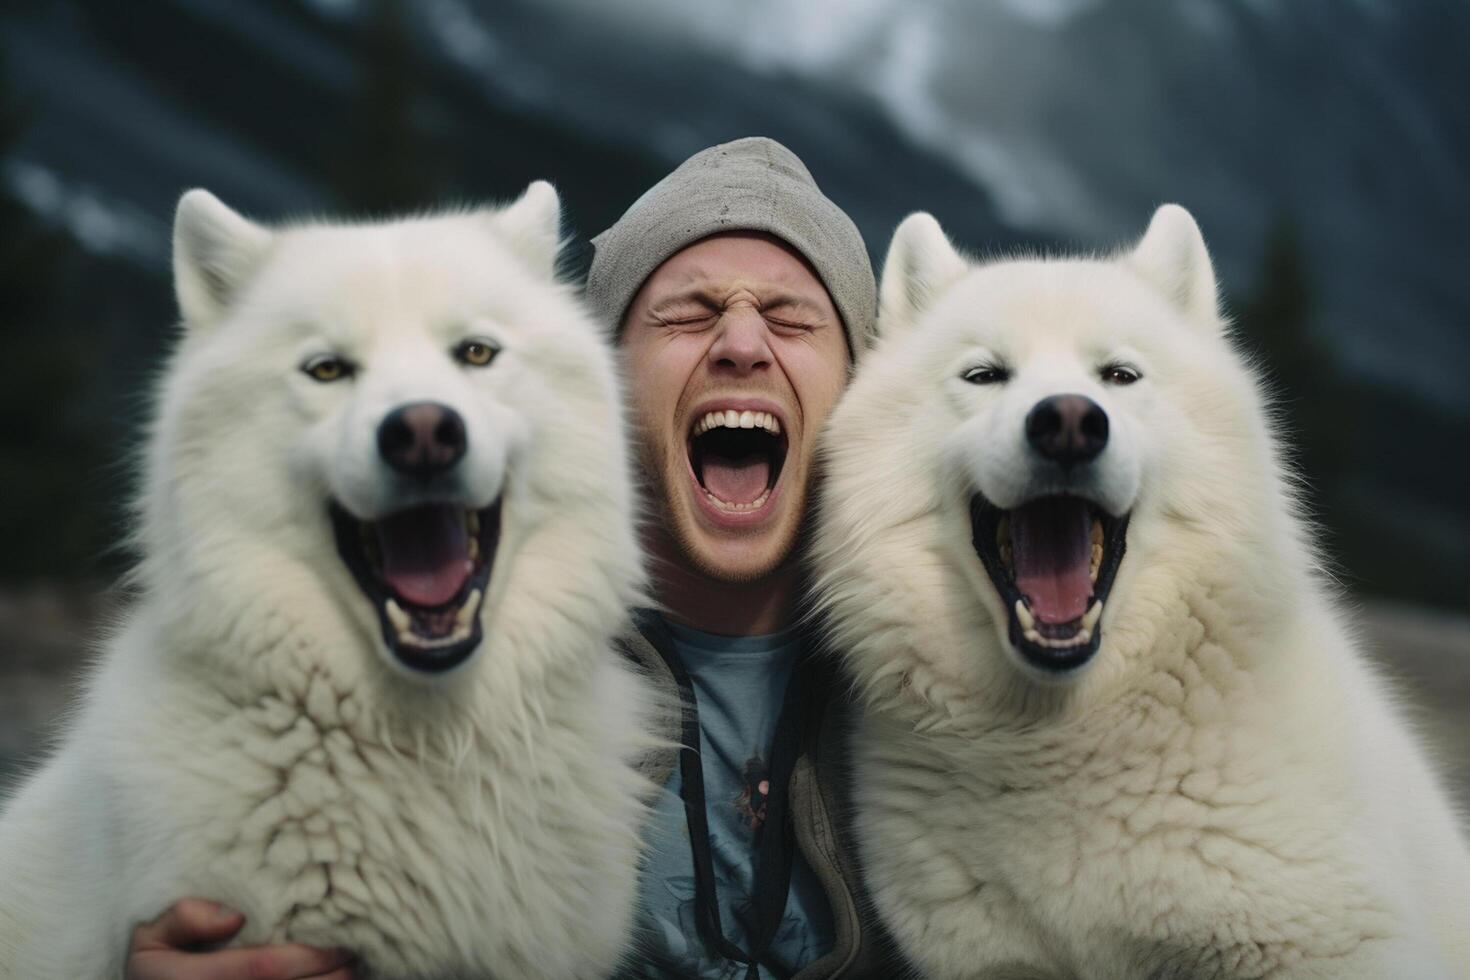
(734, 356)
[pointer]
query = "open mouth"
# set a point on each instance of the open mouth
(424, 570)
(737, 458)
(1053, 561)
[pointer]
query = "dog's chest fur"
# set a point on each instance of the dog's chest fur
(326, 826)
(1145, 838)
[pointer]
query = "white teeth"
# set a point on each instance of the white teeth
(1077, 639)
(755, 504)
(424, 643)
(731, 419)
(463, 624)
(1081, 637)
(1095, 561)
(466, 614)
(397, 617)
(474, 548)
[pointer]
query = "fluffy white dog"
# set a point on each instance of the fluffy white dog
(366, 693)
(1115, 727)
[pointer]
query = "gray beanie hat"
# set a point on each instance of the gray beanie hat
(751, 184)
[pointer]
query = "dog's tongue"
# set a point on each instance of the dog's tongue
(736, 480)
(425, 551)
(1051, 547)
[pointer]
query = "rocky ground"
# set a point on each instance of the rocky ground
(46, 634)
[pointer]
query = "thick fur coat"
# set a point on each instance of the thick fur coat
(1222, 787)
(249, 733)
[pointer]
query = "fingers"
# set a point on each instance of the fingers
(290, 962)
(161, 950)
(189, 922)
(345, 973)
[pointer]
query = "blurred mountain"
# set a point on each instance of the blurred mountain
(1020, 123)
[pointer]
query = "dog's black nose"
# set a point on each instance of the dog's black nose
(1067, 429)
(422, 438)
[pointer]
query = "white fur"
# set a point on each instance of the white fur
(1227, 790)
(246, 735)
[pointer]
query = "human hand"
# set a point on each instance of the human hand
(167, 949)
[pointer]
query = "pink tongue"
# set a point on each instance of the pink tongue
(1051, 545)
(736, 481)
(425, 551)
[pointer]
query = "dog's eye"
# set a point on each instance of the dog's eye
(328, 367)
(986, 374)
(476, 352)
(1119, 374)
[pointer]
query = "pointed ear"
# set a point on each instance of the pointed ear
(216, 251)
(533, 226)
(1172, 256)
(921, 264)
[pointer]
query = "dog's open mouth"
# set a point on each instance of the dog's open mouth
(425, 571)
(737, 457)
(1053, 561)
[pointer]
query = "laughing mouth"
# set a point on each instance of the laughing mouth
(737, 457)
(1053, 561)
(425, 571)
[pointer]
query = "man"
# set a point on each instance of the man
(742, 296)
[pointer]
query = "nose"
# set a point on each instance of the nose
(422, 438)
(742, 345)
(1067, 429)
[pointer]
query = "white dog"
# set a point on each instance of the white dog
(366, 694)
(1080, 761)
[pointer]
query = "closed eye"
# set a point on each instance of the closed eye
(987, 374)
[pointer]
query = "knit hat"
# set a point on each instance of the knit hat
(751, 184)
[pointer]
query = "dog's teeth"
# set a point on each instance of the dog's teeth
(1090, 618)
(397, 617)
(1096, 563)
(747, 420)
(1028, 622)
(474, 548)
(472, 522)
(1077, 639)
(467, 611)
(1097, 533)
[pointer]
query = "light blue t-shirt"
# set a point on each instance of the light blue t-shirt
(739, 686)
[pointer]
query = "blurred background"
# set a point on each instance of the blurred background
(1323, 145)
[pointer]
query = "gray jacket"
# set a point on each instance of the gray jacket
(818, 795)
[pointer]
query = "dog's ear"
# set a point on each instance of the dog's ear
(216, 251)
(532, 224)
(921, 264)
(1172, 256)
